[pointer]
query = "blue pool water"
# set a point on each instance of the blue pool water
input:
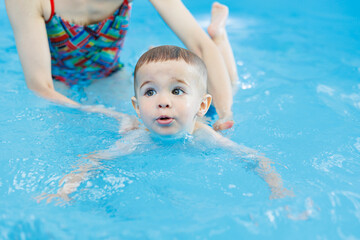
(298, 103)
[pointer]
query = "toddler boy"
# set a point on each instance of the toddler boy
(170, 99)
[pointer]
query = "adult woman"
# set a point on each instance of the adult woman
(45, 55)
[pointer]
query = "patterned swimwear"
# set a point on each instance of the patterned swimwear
(80, 54)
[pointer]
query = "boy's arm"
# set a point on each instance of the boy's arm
(264, 167)
(184, 25)
(71, 181)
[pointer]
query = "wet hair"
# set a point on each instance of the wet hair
(173, 53)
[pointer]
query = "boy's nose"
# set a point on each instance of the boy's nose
(164, 105)
(164, 101)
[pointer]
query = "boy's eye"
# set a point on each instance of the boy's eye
(150, 92)
(177, 91)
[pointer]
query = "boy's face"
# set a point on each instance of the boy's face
(168, 100)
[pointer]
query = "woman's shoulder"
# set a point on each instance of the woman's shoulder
(46, 8)
(24, 11)
(33, 8)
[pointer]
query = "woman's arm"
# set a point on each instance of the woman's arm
(180, 20)
(27, 21)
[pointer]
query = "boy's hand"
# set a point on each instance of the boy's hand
(281, 192)
(60, 198)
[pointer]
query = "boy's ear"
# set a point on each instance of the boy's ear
(135, 105)
(204, 105)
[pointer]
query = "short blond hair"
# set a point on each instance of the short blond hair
(173, 53)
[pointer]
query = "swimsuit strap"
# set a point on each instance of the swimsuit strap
(52, 11)
(126, 2)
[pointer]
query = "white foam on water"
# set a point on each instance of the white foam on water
(270, 215)
(240, 63)
(354, 98)
(357, 144)
(325, 163)
(325, 89)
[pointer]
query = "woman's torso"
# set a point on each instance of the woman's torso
(82, 12)
(85, 38)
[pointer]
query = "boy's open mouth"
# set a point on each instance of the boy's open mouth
(164, 120)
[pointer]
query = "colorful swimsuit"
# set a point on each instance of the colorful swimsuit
(80, 54)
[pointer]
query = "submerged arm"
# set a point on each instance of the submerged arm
(71, 181)
(127, 122)
(264, 166)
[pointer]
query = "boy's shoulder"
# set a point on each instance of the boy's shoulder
(204, 130)
(208, 134)
(200, 126)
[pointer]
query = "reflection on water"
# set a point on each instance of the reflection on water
(298, 103)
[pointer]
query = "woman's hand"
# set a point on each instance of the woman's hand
(127, 122)
(224, 123)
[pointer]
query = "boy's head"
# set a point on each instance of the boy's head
(170, 86)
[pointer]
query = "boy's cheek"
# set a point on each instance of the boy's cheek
(144, 112)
